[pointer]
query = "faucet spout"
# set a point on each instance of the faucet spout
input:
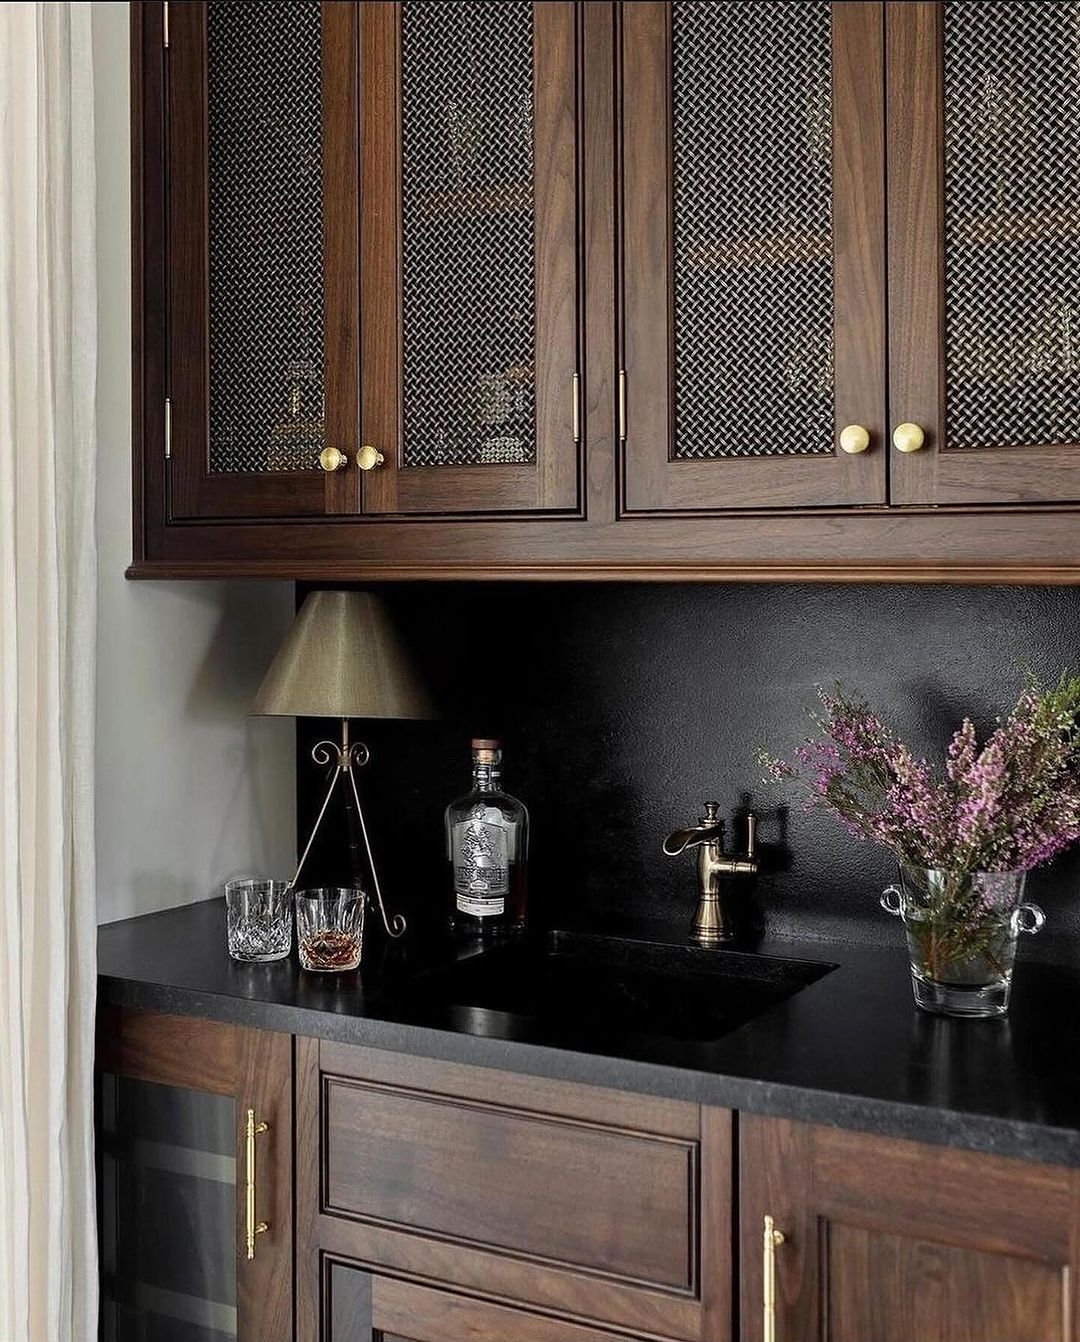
(694, 837)
(709, 829)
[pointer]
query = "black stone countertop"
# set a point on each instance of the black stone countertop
(850, 1049)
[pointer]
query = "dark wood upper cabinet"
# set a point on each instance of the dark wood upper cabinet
(892, 1240)
(984, 251)
(753, 255)
(451, 187)
(261, 192)
(583, 288)
(469, 247)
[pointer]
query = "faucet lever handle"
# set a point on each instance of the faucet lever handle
(751, 834)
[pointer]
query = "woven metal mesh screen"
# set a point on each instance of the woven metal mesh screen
(752, 138)
(468, 301)
(266, 250)
(1012, 223)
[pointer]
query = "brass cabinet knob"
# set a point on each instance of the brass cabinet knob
(369, 457)
(331, 459)
(854, 439)
(908, 438)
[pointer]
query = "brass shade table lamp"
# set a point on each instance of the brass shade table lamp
(342, 659)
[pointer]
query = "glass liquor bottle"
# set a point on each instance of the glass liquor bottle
(487, 844)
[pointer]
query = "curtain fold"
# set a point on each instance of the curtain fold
(48, 1271)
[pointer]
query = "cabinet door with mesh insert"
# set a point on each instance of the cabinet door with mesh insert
(984, 240)
(753, 255)
(262, 255)
(469, 215)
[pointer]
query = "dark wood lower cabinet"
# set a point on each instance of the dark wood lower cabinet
(577, 1203)
(891, 1241)
(363, 1308)
(173, 1098)
(438, 1202)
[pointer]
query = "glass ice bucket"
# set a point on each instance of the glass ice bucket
(961, 930)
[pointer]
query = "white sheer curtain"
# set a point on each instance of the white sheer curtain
(48, 1275)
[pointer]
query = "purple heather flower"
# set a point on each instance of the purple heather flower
(1012, 805)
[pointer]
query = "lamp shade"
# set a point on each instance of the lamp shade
(342, 658)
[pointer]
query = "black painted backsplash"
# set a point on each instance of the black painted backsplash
(624, 707)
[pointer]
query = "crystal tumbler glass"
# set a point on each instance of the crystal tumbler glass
(259, 919)
(330, 928)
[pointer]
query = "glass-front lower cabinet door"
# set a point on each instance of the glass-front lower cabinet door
(194, 1148)
(984, 251)
(261, 292)
(753, 252)
(358, 1307)
(471, 400)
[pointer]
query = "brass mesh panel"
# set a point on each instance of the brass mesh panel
(1012, 223)
(752, 138)
(467, 232)
(266, 235)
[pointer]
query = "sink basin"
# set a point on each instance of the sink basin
(589, 985)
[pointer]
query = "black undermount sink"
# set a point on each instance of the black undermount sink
(574, 983)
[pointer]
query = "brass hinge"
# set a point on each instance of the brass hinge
(622, 405)
(577, 408)
(168, 428)
(165, 22)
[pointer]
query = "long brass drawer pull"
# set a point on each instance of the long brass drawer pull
(773, 1238)
(254, 1227)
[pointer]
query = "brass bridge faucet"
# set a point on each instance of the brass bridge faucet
(711, 926)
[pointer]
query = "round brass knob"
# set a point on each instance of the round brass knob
(908, 438)
(369, 457)
(331, 459)
(854, 439)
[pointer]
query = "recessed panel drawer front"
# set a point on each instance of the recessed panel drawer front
(557, 1190)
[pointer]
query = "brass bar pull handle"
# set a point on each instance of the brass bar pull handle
(254, 1227)
(773, 1238)
(577, 408)
(622, 405)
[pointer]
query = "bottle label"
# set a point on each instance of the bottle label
(481, 868)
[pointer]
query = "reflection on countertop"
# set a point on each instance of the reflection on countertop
(847, 1047)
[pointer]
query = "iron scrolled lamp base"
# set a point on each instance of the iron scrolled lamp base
(345, 758)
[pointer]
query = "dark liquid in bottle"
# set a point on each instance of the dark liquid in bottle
(495, 926)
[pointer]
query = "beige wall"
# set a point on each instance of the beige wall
(188, 788)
